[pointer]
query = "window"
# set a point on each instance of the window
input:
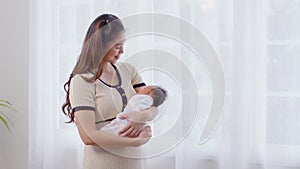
(258, 43)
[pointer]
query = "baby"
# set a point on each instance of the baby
(149, 96)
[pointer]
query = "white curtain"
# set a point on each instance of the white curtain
(258, 44)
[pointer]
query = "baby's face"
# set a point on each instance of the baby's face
(147, 90)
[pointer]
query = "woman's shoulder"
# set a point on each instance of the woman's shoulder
(124, 64)
(82, 78)
(127, 66)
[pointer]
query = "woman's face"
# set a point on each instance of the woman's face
(115, 52)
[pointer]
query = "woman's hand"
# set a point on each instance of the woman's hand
(144, 136)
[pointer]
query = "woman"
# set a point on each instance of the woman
(97, 90)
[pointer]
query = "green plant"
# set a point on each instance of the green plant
(3, 117)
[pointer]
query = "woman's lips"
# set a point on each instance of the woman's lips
(117, 57)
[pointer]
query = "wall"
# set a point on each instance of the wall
(14, 47)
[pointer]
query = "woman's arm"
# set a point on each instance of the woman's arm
(85, 121)
(84, 137)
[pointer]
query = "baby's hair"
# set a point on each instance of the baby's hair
(159, 95)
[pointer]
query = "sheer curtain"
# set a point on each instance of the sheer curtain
(258, 44)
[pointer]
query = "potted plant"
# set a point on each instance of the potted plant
(3, 117)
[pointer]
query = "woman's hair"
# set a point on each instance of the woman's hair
(159, 95)
(102, 32)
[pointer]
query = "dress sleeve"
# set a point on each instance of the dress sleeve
(82, 94)
(136, 79)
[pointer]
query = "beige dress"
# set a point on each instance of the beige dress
(106, 101)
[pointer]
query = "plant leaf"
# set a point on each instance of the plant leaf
(5, 123)
(7, 118)
(4, 101)
(3, 117)
(8, 106)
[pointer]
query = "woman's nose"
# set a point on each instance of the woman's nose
(121, 50)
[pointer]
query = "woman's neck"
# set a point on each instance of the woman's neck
(107, 67)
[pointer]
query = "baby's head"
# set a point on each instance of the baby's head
(158, 94)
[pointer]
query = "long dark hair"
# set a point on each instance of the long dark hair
(103, 30)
